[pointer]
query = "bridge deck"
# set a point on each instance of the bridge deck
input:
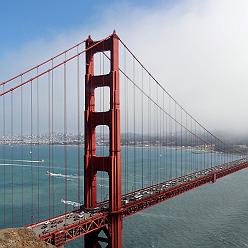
(66, 227)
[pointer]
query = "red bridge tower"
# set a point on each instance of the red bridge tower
(111, 118)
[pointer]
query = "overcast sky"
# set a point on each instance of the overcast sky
(197, 49)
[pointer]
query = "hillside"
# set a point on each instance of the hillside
(20, 238)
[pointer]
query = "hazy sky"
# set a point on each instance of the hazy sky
(197, 49)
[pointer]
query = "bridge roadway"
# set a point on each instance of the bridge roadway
(69, 226)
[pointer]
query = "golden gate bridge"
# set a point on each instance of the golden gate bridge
(141, 147)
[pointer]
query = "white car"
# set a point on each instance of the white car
(125, 201)
(81, 215)
(138, 196)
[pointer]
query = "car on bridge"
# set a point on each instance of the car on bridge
(138, 196)
(81, 214)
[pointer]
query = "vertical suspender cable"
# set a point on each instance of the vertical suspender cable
(166, 145)
(222, 153)
(65, 133)
(186, 145)
(163, 143)
(134, 135)
(49, 140)
(175, 163)
(181, 142)
(22, 167)
(204, 158)
(197, 157)
(203, 147)
(125, 121)
(197, 148)
(52, 135)
(12, 153)
(2, 158)
(31, 149)
(4, 166)
(201, 138)
(154, 148)
(171, 140)
(218, 160)
(160, 146)
(142, 127)
(149, 133)
(38, 140)
(211, 158)
(191, 146)
(78, 130)
(157, 136)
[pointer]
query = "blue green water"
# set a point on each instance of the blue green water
(215, 215)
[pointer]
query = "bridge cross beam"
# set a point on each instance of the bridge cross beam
(111, 118)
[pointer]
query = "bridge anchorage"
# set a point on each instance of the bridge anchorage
(161, 153)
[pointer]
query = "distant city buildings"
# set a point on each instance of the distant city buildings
(127, 139)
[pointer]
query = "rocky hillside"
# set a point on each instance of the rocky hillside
(21, 238)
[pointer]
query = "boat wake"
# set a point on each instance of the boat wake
(59, 175)
(72, 203)
(21, 165)
(22, 160)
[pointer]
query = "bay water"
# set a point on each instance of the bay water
(214, 215)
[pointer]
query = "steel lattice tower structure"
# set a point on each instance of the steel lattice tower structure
(111, 118)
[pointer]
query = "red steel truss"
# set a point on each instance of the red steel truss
(164, 195)
(71, 232)
(103, 220)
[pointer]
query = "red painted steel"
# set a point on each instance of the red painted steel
(78, 229)
(164, 195)
(103, 220)
(112, 163)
